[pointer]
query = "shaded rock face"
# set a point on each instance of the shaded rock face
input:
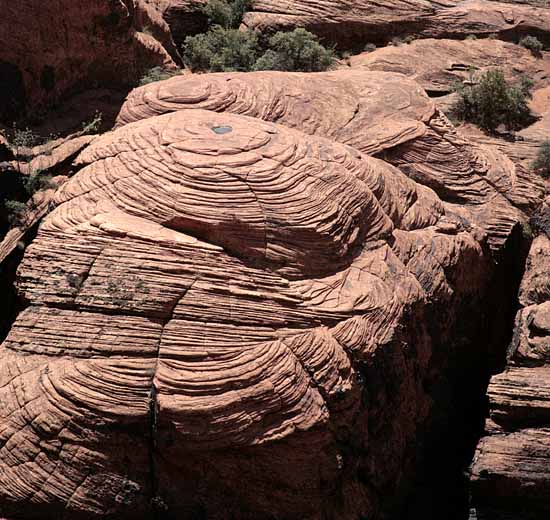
(351, 23)
(510, 473)
(227, 317)
(48, 49)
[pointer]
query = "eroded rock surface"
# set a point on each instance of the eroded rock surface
(381, 114)
(511, 470)
(350, 23)
(49, 49)
(228, 316)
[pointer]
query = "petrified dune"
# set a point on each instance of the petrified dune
(227, 316)
(381, 114)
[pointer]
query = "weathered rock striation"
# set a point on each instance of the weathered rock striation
(381, 114)
(50, 49)
(231, 311)
(510, 473)
(351, 23)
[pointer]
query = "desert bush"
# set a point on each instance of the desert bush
(370, 47)
(15, 211)
(409, 39)
(492, 101)
(532, 43)
(226, 14)
(37, 181)
(93, 126)
(298, 50)
(541, 164)
(228, 50)
(471, 37)
(155, 74)
(222, 50)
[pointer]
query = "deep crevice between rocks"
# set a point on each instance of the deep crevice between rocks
(448, 442)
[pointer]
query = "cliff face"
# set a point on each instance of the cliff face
(511, 467)
(50, 49)
(227, 316)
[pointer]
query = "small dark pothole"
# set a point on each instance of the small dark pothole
(222, 129)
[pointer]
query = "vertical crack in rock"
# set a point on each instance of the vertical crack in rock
(158, 506)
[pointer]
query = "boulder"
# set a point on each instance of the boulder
(230, 317)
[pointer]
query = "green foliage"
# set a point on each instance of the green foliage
(225, 13)
(37, 181)
(15, 211)
(532, 43)
(93, 126)
(471, 37)
(229, 50)
(409, 39)
(541, 164)
(24, 138)
(298, 50)
(492, 102)
(396, 41)
(155, 74)
(369, 47)
(222, 50)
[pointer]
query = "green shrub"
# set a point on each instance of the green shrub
(492, 102)
(471, 37)
(93, 126)
(37, 181)
(396, 41)
(541, 164)
(370, 47)
(155, 74)
(15, 210)
(298, 50)
(226, 14)
(222, 50)
(532, 43)
(409, 39)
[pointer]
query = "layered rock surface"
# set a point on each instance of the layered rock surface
(227, 316)
(352, 23)
(381, 114)
(510, 474)
(49, 49)
(438, 64)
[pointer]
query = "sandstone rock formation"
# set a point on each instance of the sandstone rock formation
(352, 23)
(49, 49)
(381, 114)
(438, 64)
(511, 470)
(228, 316)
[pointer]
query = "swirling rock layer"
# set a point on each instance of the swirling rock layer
(378, 113)
(227, 317)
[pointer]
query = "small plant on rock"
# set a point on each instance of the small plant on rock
(541, 164)
(155, 74)
(532, 43)
(93, 126)
(492, 101)
(15, 210)
(370, 47)
(37, 181)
